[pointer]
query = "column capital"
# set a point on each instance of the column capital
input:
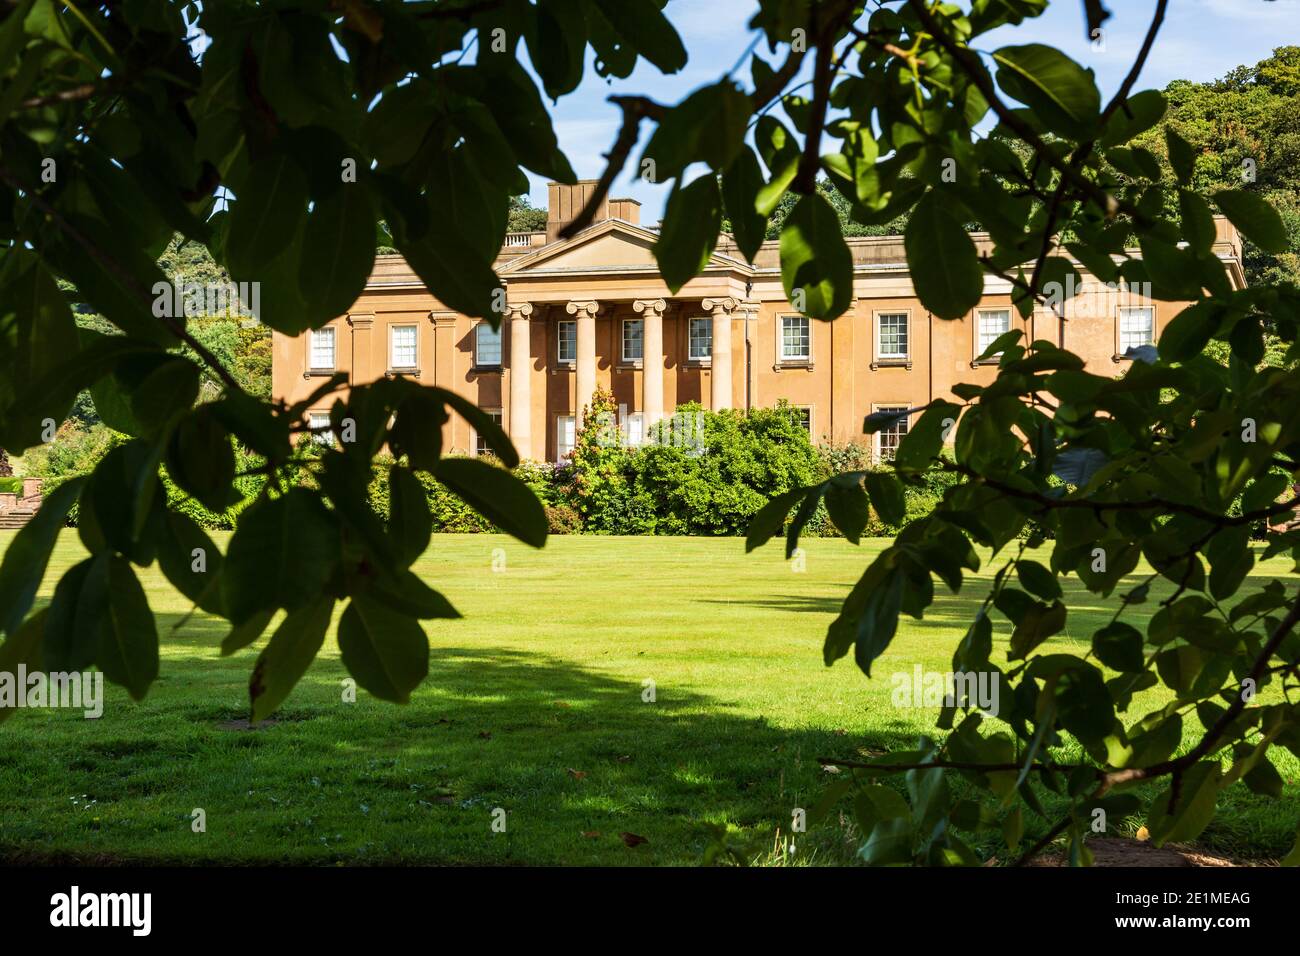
(524, 310)
(725, 305)
(361, 320)
(443, 318)
(590, 307)
(650, 307)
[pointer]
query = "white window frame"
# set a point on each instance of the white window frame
(561, 449)
(634, 437)
(478, 345)
(905, 424)
(331, 333)
(479, 446)
(1124, 311)
(980, 344)
(692, 323)
(320, 420)
(811, 420)
(782, 357)
(393, 329)
(638, 340)
(881, 354)
(560, 338)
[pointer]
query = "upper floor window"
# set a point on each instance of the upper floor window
(402, 347)
(796, 338)
(566, 343)
(322, 350)
(992, 323)
(481, 447)
(699, 340)
(487, 345)
(1137, 327)
(891, 331)
(887, 438)
(633, 340)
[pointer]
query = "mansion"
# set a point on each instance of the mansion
(592, 312)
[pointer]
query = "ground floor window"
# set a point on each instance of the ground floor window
(564, 436)
(804, 416)
(319, 423)
(634, 429)
(481, 447)
(887, 438)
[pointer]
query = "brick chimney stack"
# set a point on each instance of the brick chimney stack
(564, 202)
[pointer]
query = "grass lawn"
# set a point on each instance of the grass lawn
(534, 704)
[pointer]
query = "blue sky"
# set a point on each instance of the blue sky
(1200, 40)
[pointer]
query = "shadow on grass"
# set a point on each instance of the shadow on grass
(567, 750)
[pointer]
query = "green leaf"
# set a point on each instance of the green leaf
(410, 524)
(76, 611)
(941, 255)
(23, 648)
(288, 654)
(1119, 647)
(886, 496)
(201, 459)
(1062, 94)
(924, 440)
(338, 250)
(848, 508)
(706, 127)
(1181, 155)
(386, 651)
(1197, 793)
(1257, 220)
(879, 621)
(816, 265)
(1139, 113)
(497, 495)
(264, 219)
(190, 561)
(1034, 626)
(741, 182)
(280, 556)
(644, 27)
(690, 232)
(1197, 220)
(770, 519)
(127, 650)
(242, 635)
(28, 554)
(1037, 580)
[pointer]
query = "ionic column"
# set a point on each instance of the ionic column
(521, 367)
(721, 310)
(585, 313)
(652, 366)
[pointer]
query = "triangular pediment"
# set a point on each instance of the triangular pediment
(610, 246)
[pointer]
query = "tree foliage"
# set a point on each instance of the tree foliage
(303, 125)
